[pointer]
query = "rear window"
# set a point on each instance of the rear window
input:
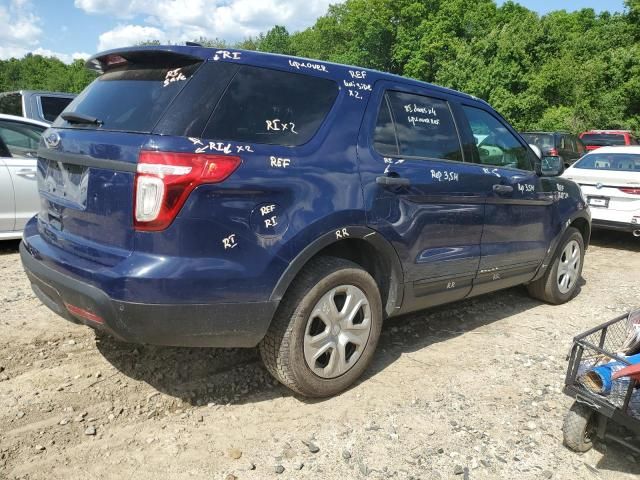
(603, 139)
(130, 98)
(544, 141)
(624, 162)
(271, 107)
(53, 106)
(424, 127)
(11, 104)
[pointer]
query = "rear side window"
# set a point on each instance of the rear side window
(53, 106)
(21, 139)
(424, 127)
(11, 104)
(384, 137)
(544, 141)
(272, 107)
(130, 98)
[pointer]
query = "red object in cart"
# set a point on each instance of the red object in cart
(632, 371)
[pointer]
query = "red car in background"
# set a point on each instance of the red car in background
(594, 139)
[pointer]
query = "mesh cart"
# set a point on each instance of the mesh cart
(600, 397)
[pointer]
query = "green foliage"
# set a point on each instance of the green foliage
(34, 72)
(561, 71)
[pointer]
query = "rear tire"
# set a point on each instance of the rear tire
(326, 329)
(579, 428)
(560, 282)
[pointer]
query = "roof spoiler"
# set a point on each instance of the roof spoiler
(169, 56)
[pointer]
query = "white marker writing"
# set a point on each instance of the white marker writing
(174, 76)
(267, 209)
(226, 55)
(278, 126)
(230, 241)
(278, 162)
(342, 233)
(271, 222)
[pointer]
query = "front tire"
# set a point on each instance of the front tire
(326, 329)
(560, 282)
(579, 428)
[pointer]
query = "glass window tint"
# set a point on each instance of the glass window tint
(424, 127)
(21, 139)
(384, 137)
(497, 146)
(272, 107)
(544, 141)
(580, 147)
(130, 98)
(11, 104)
(53, 106)
(603, 139)
(626, 162)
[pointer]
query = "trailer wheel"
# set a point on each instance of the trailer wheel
(579, 427)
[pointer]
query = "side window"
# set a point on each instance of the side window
(21, 140)
(53, 106)
(384, 137)
(579, 146)
(424, 127)
(497, 146)
(272, 107)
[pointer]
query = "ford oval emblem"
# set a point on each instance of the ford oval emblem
(52, 139)
(599, 186)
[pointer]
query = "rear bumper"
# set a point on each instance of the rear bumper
(613, 225)
(192, 325)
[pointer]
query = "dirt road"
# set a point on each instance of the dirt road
(470, 390)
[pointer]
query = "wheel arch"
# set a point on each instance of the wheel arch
(363, 246)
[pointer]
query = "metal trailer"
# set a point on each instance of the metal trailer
(590, 413)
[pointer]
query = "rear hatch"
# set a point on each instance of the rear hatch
(87, 160)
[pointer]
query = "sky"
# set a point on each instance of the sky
(70, 29)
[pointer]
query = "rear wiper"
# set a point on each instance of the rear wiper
(73, 117)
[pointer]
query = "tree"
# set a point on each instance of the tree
(276, 40)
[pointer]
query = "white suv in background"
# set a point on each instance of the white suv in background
(610, 181)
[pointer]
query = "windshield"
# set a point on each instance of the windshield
(603, 139)
(131, 98)
(622, 162)
(544, 141)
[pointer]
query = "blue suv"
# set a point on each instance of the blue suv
(223, 198)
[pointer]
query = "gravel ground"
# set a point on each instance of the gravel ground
(470, 390)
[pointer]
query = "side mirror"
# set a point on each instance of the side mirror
(550, 167)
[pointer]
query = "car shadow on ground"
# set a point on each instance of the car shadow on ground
(617, 240)
(8, 247)
(200, 376)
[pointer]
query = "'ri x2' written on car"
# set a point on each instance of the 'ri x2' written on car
(215, 198)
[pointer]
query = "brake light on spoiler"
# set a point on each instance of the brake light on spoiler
(164, 181)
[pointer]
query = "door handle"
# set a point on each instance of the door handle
(393, 181)
(26, 172)
(502, 189)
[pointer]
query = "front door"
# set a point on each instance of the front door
(518, 214)
(420, 193)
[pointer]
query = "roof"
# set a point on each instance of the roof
(607, 131)
(23, 120)
(634, 149)
(267, 59)
(39, 92)
(545, 133)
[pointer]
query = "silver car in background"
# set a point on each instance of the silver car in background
(19, 201)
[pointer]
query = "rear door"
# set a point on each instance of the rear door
(419, 192)
(7, 204)
(86, 169)
(22, 141)
(518, 215)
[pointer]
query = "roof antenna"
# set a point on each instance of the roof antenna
(193, 44)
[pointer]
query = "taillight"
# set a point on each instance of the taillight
(630, 191)
(553, 152)
(164, 180)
